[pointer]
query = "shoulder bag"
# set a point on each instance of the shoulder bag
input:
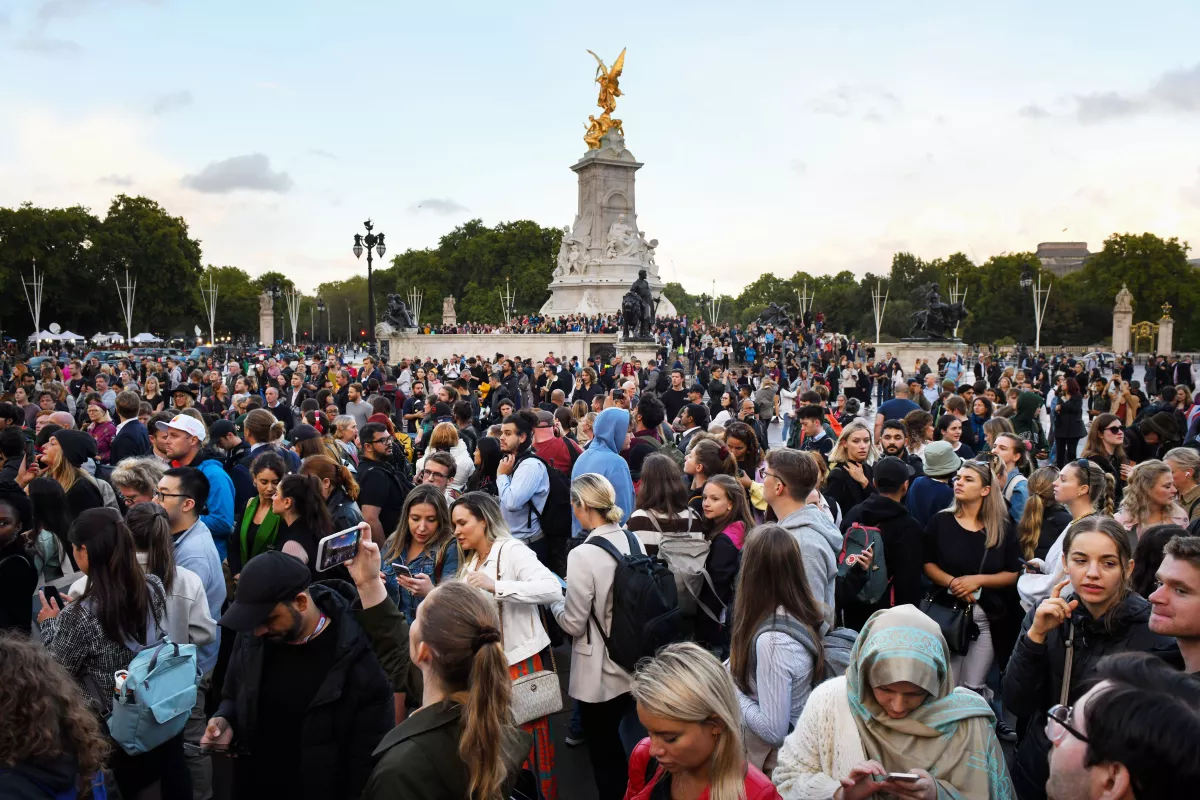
(538, 694)
(952, 615)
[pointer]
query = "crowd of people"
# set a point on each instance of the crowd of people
(968, 580)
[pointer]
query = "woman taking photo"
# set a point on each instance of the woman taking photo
(338, 488)
(461, 744)
(1150, 499)
(1044, 518)
(53, 744)
(694, 748)
(972, 556)
(849, 480)
(505, 569)
(64, 454)
(121, 611)
(1068, 422)
(423, 542)
(776, 650)
(950, 429)
(662, 512)
(259, 527)
(895, 710)
(1103, 618)
(706, 459)
(1105, 447)
(303, 519)
(597, 682)
(728, 520)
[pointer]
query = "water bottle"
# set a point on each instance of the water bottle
(119, 679)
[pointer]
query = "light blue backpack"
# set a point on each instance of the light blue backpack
(157, 698)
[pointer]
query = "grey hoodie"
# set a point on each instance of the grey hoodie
(820, 542)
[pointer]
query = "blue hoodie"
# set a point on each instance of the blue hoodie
(603, 456)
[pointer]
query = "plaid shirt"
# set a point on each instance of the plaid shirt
(79, 644)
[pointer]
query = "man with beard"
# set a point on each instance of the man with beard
(305, 697)
(893, 441)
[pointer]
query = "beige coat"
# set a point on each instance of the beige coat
(522, 584)
(595, 677)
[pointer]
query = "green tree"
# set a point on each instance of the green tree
(139, 235)
(237, 301)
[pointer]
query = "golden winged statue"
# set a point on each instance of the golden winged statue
(610, 89)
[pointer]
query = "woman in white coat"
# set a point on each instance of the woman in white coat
(601, 687)
(501, 566)
(445, 438)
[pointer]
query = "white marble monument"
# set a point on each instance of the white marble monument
(603, 250)
(266, 320)
(1123, 322)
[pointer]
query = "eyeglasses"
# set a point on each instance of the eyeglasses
(770, 474)
(1117, 429)
(159, 494)
(384, 440)
(1058, 724)
(426, 473)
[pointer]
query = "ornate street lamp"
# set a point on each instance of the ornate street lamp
(373, 241)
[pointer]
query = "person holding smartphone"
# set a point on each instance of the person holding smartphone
(904, 724)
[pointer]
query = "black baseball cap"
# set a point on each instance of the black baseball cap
(220, 429)
(266, 580)
(890, 473)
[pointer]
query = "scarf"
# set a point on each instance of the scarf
(264, 537)
(950, 734)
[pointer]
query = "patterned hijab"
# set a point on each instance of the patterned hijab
(950, 734)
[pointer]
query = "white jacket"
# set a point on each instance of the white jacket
(522, 585)
(464, 466)
(823, 747)
(188, 620)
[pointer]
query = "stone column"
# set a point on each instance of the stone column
(1166, 331)
(1123, 322)
(266, 320)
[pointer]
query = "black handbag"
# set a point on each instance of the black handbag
(953, 616)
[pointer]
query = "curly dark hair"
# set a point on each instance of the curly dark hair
(45, 713)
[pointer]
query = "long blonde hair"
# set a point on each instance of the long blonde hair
(1041, 496)
(1136, 503)
(482, 506)
(993, 513)
(685, 682)
(838, 456)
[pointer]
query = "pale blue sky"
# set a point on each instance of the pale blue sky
(775, 135)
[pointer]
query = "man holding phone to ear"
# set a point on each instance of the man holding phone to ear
(305, 697)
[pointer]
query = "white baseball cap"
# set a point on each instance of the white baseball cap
(182, 422)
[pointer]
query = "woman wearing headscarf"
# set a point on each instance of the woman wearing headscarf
(895, 710)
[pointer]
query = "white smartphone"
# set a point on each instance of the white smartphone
(903, 777)
(338, 548)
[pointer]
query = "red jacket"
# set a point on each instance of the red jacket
(758, 786)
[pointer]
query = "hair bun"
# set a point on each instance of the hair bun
(723, 453)
(486, 636)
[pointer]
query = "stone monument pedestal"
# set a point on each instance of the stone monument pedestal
(266, 320)
(644, 350)
(1166, 335)
(907, 351)
(603, 250)
(1122, 335)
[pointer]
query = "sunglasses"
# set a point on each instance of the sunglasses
(1115, 429)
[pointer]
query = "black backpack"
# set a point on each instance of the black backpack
(645, 604)
(555, 516)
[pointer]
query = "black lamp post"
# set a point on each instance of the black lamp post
(320, 310)
(373, 241)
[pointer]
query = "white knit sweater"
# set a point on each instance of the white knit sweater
(822, 749)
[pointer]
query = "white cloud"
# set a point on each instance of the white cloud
(437, 205)
(171, 101)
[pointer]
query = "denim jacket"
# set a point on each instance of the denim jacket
(425, 563)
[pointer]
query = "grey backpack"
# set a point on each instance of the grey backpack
(837, 644)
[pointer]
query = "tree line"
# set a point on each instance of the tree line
(79, 254)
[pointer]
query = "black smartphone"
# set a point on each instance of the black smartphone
(51, 593)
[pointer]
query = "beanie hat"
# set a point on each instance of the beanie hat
(77, 446)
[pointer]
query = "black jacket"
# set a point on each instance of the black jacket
(901, 550)
(419, 758)
(1069, 422)
(1055, 520)
(131, 440)
(1033, 679)
(846, 491)
(350, 714)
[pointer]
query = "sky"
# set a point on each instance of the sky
(775, 136)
